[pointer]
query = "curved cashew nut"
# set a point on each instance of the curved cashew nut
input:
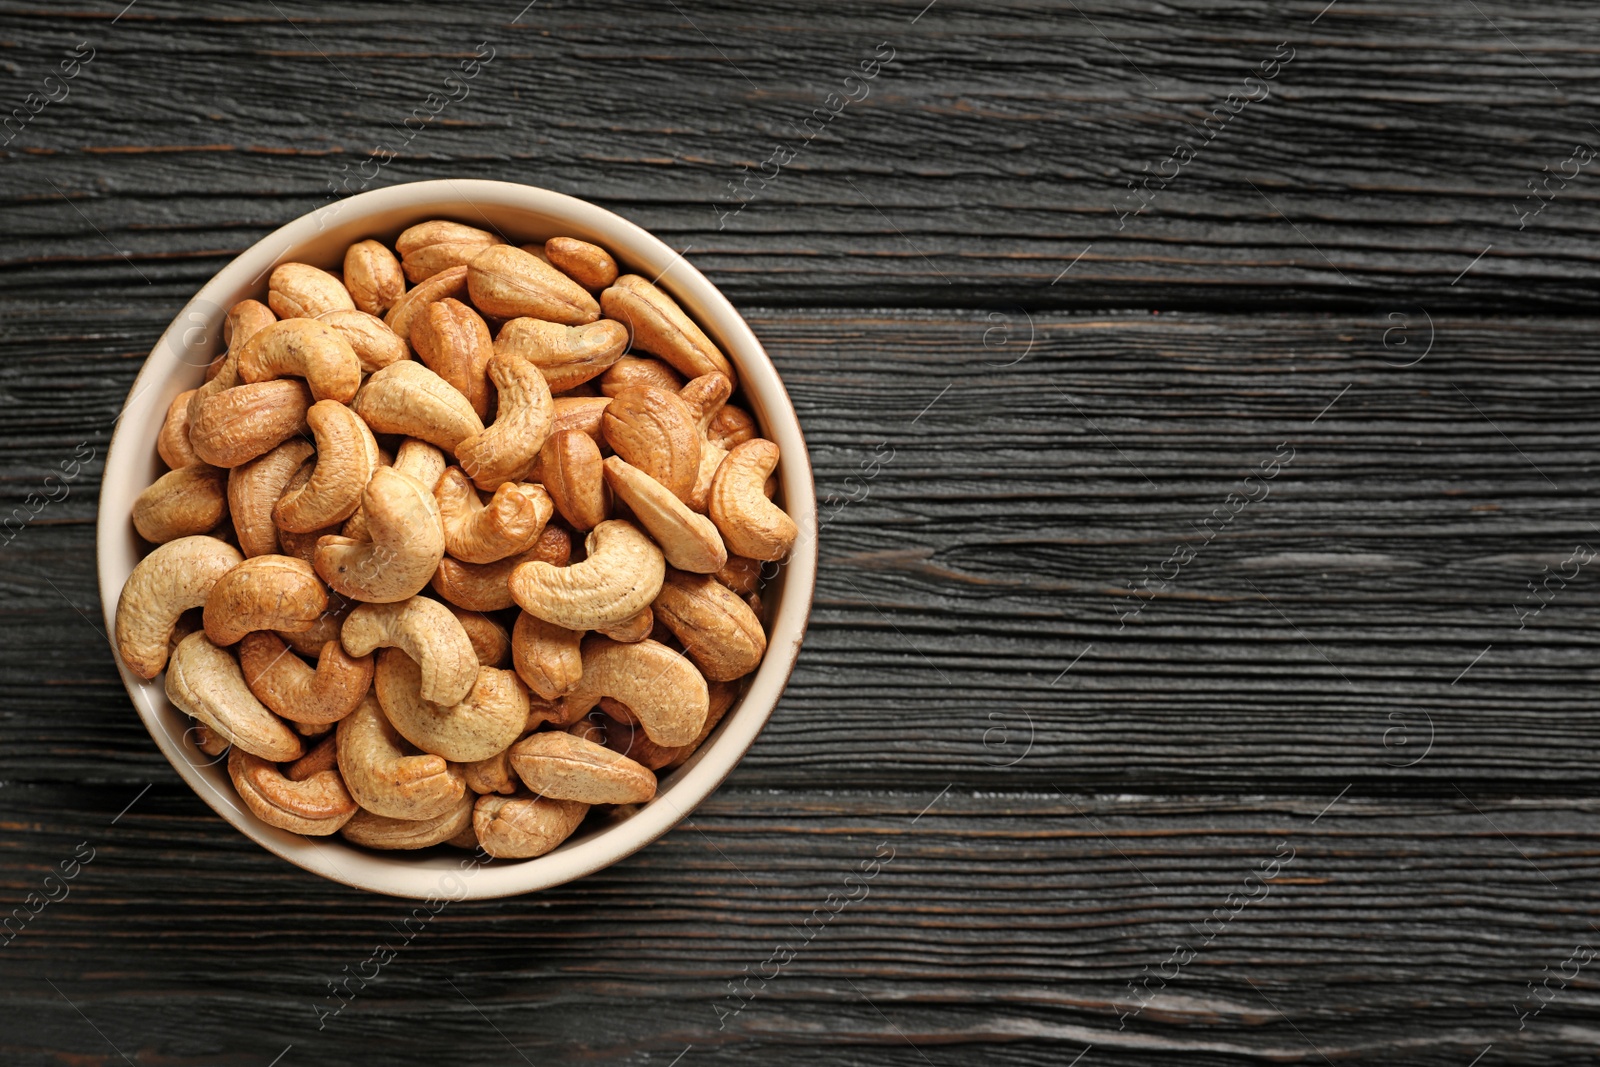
(283, 682)
(303, 348)
(547, 657)
(426, 631)
(407, 543)
(620, 577)
(408, 398)
(660, 327)
(254, 489)
(372, 277)
(172, 443)
(174, 578)
(243, 321)
(508, 283)
(453, 341)
(451, 282)
(570, 466)
(386, 776)
(741, 574)
(664, 691)
(689, 541)
(492, 775)
(378, 831)
(375, 345)
(731, 427)
(183, 502)
(723, 697)
(751, 524)
(264, 593)
(325, 629)
(625, 738)
(657, 432)
(705, 396)
(567, 356)
(631, 630)
(430, 247)
(315, 806)
(525, 412)
(520, 827)
(205, 682)
(639, 370)
(560, 766)
(422, 461)
(716, 628)
(324, 756)
(347, 455)
(490, 642)
(489, 720)
(299, 290)
(487, 586)
(239, 424)
(589, 265)
(475, 532)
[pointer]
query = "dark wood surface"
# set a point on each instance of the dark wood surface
(1077, 780)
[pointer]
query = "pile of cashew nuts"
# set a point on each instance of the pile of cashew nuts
(390, 481)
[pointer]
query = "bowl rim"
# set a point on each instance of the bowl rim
(401, 874)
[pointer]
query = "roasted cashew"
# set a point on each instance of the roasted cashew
(205, 682)
(347, 456)
(183, 502)
(301, 291)
(264, 593)
(589, 265)
(172, 443)
(174, 578)
(717, 629)
(490, 718)
(580, 413)
(705, 396)
(323, 756)
(427, 632)
(570, 465)
(492, 775)
(242, 322)
(751, 524)
(451, 282)
(690, 542)
(325, 629)
(254, 489)
(422, 461)
(567, 356)
(561, 766)
(315, 806)
(657, 432)
(620, 576)
(239, 424)
(377, 831)
(523, 826)
(658, 326)
(665, 691)
(407, 543)
(640, 370)
(487, 586)
(453, 341)
(408, 398)
(508, 283)
(372, 277)
(490, 642)
(386, 775)
(283, 682)
(375, 345)
(547, 657)
(741, 574)
(430, 247)
(731, 427)
(631, 630)
(303, 348)
(523, 418)
(475, 532)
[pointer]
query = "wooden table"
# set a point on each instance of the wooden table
(1207, 621)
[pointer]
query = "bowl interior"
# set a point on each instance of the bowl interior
(520, 214)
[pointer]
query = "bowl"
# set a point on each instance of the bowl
(521, 214)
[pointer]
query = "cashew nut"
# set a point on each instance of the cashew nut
(303, 348)
(453, 341)
(589, 265)
(315, 806)
(372, 277)
(283, 682)
(490, 642)
(741, 574)
(491, 775)
(580, 413)
(705, 396)
(657, 432)
(567, 356)
(620, 577)
(511, 443)
(301, 291)
(407, 543)
(520, 827)
(324, 756)
(561, 766)
(174, 578)
(640, 370)
(264, 593)
(374, 344)
(254, 489)
(422, 461)
(183, 502)
(451, 282)
(659, 326)
(548, 657)
(571, 468)
(205, 682)
(478, 533)
(508, 283)
(389, 777)
(717, 629)
(243, 321)
(430, 247)
(325, 629)
(347, 456)
(631, 630)
(663, 689)
(237, 425)
(751, 524)
(490, 718)
(731, 427)
(172, 443)
(426, 631)
(408, 398)
(690, 542)
(378, 831)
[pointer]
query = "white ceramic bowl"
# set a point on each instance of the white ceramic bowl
(521, 213)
